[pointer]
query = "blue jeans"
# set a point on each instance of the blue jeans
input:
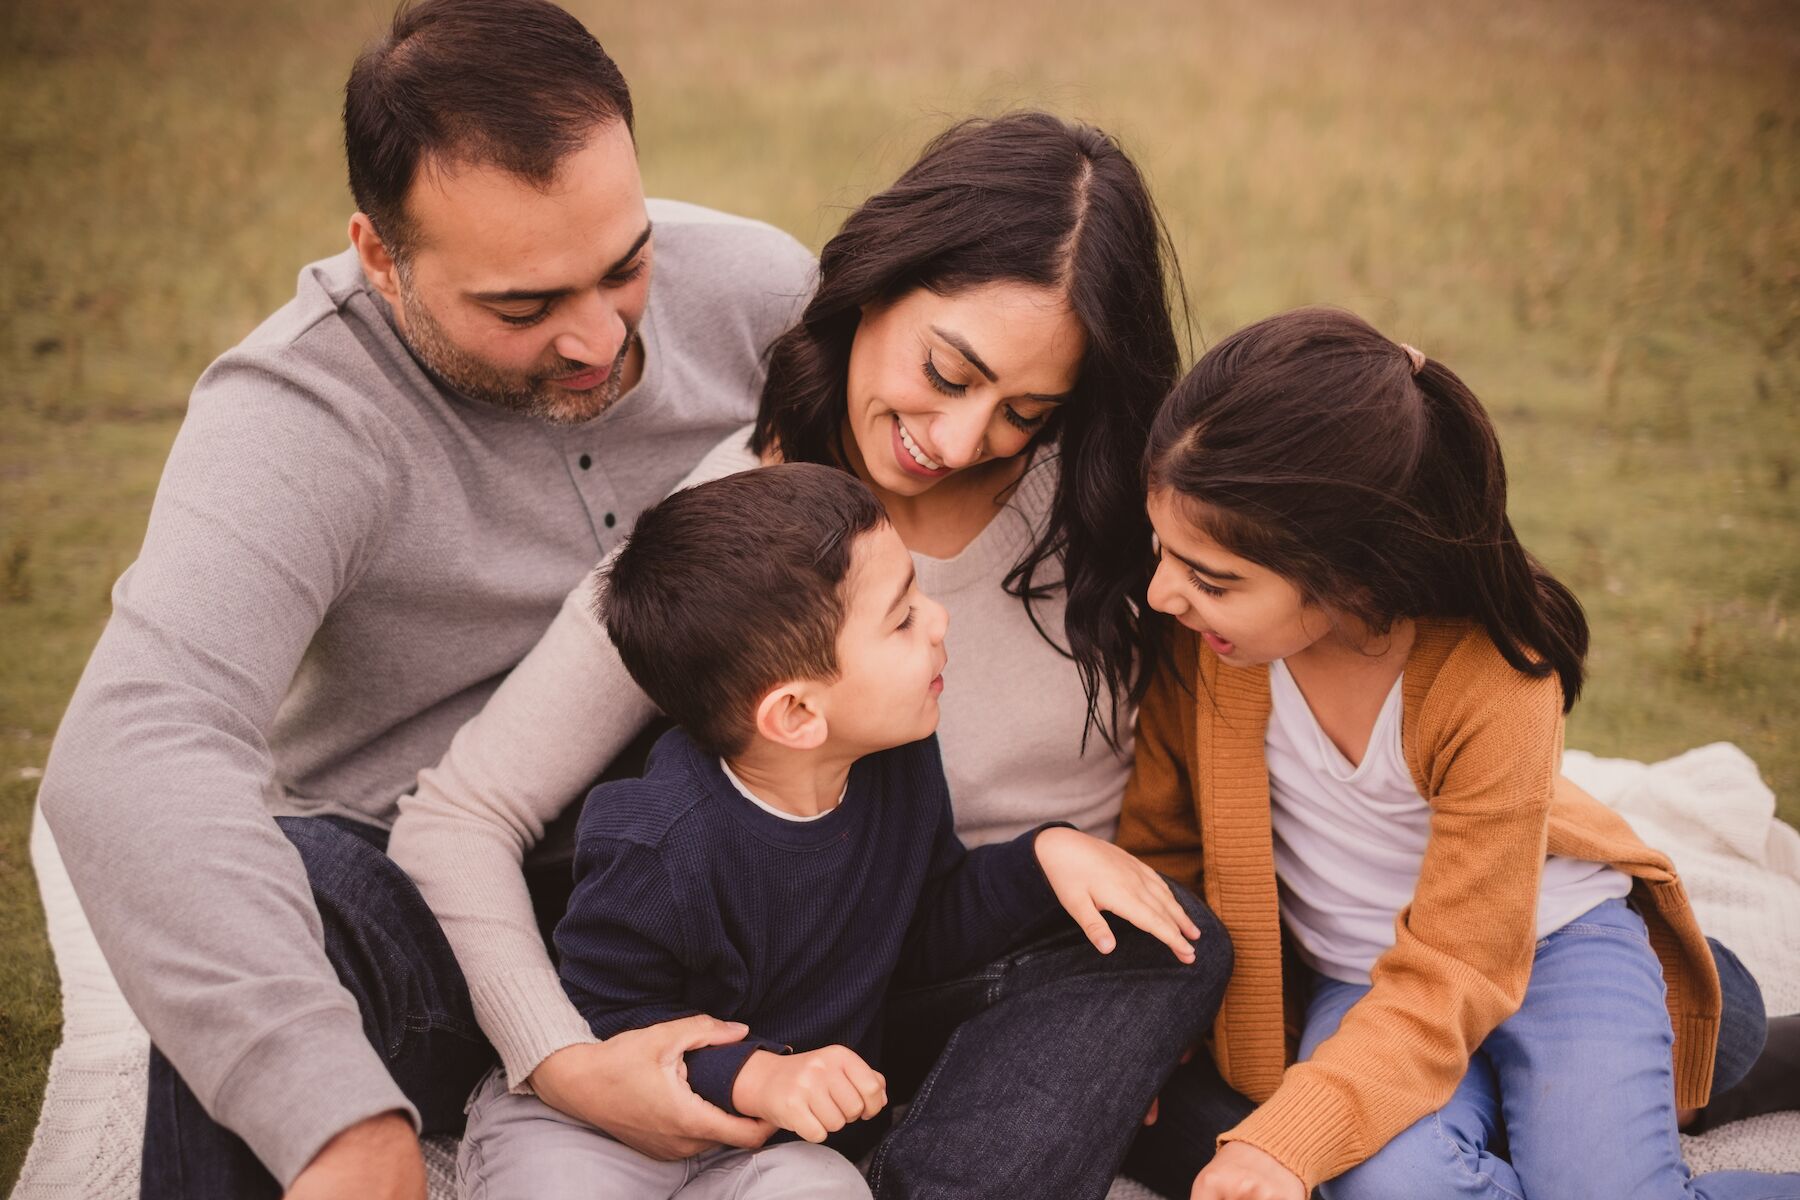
(392, 956)
(1197, 1105)
(1029, 1076)
(1579, 1083)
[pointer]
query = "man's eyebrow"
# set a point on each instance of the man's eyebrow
(1202, 568)
(962, 347)
(904, 589)
(516, 294)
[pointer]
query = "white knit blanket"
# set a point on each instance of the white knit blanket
(1708, 809)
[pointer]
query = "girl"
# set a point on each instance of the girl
(1502, 992)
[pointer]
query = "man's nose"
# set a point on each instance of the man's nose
(593, 333)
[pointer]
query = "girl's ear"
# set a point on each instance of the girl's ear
(790, 716)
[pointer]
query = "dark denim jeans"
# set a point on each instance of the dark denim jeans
(392, 956)
(1198, 1105)
(1029, 1077)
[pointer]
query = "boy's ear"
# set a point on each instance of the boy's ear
(790, 716)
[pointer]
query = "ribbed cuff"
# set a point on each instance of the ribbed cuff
(713, 1070)
(528, 1017)
(1308, 1130)
(306, 1081)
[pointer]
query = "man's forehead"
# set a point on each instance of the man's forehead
(490, 229)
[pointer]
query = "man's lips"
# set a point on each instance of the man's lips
(582, 381)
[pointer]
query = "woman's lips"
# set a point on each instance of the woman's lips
(1219, 645)
(904, 457)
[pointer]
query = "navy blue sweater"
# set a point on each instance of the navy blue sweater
(691, 899)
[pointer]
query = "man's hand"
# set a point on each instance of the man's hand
(376, 1159)
(813, 1094)
(634, 1086)
(1242, 1172)
(1090, 876)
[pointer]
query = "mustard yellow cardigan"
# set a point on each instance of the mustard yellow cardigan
(1484, 744)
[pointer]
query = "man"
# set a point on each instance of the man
(375, 506)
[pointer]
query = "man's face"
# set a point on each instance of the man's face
(890, 651)
(530, 299)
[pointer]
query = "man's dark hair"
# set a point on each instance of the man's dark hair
(518, 84)
(727, 589)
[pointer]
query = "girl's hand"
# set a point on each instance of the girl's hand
(1090, 877)
(1242, 1172)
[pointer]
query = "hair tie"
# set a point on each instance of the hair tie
(1417, 356)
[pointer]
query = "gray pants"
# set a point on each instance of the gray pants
(519, 1148)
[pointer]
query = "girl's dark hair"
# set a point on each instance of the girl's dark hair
(1026, 198)
(1307, 443)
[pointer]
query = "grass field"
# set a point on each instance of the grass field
(1590, 210)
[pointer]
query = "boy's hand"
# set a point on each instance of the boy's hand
(1242, 1172)
(1090, 877)
(813, 1094)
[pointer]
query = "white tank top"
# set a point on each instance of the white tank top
(1349, 840)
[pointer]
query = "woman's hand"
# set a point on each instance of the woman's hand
(1242, 1172)
(1090, 877)
(634, 1086)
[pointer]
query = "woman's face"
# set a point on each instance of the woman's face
(940, 384)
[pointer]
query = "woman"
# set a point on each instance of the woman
(986, 346)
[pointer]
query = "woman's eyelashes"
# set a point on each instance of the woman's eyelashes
(1013, 416)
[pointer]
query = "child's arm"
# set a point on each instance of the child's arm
(624, 958)
(1463, 947)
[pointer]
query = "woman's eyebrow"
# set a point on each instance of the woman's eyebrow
(963, 348)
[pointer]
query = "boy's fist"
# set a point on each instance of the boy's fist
(813, 1094)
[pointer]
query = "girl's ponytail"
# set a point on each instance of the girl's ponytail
(1535, 621)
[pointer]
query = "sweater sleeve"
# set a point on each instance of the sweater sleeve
(1463, 948)
(555, 723)
(1159, 823)
(626, 962)
(976, 903)
(157, 784)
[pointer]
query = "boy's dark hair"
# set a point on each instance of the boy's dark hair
(729, 588)
(519, 84)
(1313, 445)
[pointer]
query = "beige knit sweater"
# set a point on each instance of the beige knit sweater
(1484, 744)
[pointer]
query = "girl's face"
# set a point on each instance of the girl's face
(941, 384)
(1246, 613)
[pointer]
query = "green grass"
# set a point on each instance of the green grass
(1591, 211)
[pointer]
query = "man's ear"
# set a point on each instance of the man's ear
(790, 716)
(378, 263)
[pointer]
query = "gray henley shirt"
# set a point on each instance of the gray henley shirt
(342, 563)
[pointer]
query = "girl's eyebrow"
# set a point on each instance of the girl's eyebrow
(1202, 568)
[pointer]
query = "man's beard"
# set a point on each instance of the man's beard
(530, 392)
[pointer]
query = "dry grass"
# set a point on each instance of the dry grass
(1591, 211)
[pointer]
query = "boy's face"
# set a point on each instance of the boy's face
(890, 651)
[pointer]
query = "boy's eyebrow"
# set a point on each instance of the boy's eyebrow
(904, 589)
(516, 294)
(1227, 576)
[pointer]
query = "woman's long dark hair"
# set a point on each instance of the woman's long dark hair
(1026, 198)
(1308, 443)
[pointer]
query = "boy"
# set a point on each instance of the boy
(789, 852)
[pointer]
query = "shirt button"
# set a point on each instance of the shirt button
(586, 461)
(611, 520)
